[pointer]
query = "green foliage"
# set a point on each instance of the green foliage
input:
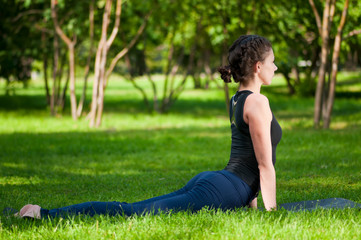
(290, 25)
(18, 41)
(56, 161)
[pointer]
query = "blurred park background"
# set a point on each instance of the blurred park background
(108, 100)
(74, 48)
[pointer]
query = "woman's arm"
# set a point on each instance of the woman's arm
(257, 114)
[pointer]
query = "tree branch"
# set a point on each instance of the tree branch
(352, 33)
(332, 10)
(118, 12)
(127, 48)
(56, 24)
(343, 17)
(317, 16)
(29, 12)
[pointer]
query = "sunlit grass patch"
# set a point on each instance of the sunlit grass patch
(55, 161)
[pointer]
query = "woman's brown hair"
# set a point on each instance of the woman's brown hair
(244, 53)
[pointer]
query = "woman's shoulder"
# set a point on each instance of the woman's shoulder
(257, 99)
(257, 107)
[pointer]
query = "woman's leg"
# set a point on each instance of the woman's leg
(190, 184)
(213, 189)
(110, 208)
(87, 208)
(219, 189)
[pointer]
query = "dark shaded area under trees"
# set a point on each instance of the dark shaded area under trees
(182, 40)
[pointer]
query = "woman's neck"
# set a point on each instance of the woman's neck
(251, 86)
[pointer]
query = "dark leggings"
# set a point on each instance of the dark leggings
(212, 189)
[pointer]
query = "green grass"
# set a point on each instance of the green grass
(55, 162)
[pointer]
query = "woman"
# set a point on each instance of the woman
(255, 134)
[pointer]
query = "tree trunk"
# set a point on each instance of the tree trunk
(335, 59)
(167, 95)
(149, 77)
(291, 88)
(225, 86)
(135, 85)
(174, 94)
(154, 89)
(45, 67)
(326, 24)
(98, 62)
(208, 70)
(168, 70)
(225, 60)
(55, 73)
(59, 76)
(72, 81)
(196, 75)
(71, 45)
(101, 74)
(90, 54)
(100, 100)
(62, 98)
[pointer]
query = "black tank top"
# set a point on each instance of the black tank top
(243, 160)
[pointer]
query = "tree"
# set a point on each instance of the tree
(101, 72)
(18, 42)
(324, 97)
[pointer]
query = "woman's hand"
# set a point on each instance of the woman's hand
(253, 204)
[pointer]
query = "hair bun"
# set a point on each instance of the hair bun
(226, 73)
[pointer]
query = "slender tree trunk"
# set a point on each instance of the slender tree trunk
(7, 88)
(149, 77)
(225, 86)
(101, 59)
(174, 71)
(169, 91)
(90, 54)
(174, 94)
(224, 61)
(71, 45)
(62, 98)
(101, 74)
(207, 68)
(135, 85)
(325, 32)
(45, 66)
(168, 70)
(45, 61)
(100, 100)
(59, 75)
(154, 89)
(196, 75)
(98, 62)
(291, 88)
(72, 81)
(55, 73)
(335, 59)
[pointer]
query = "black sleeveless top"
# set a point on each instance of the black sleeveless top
(243, 160)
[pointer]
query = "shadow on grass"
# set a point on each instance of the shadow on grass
(118, 104)
(22, 102)
(54, 169)
(347, 95)
(131, 164)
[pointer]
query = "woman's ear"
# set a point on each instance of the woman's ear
(257, 67)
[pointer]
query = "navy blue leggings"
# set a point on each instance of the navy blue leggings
(212, 189)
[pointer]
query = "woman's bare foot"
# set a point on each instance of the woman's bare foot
(29, 210)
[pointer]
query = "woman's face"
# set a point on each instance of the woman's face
(267, 68)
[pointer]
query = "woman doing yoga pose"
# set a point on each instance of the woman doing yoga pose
(255, 135)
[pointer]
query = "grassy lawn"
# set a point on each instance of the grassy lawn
(54, 161)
